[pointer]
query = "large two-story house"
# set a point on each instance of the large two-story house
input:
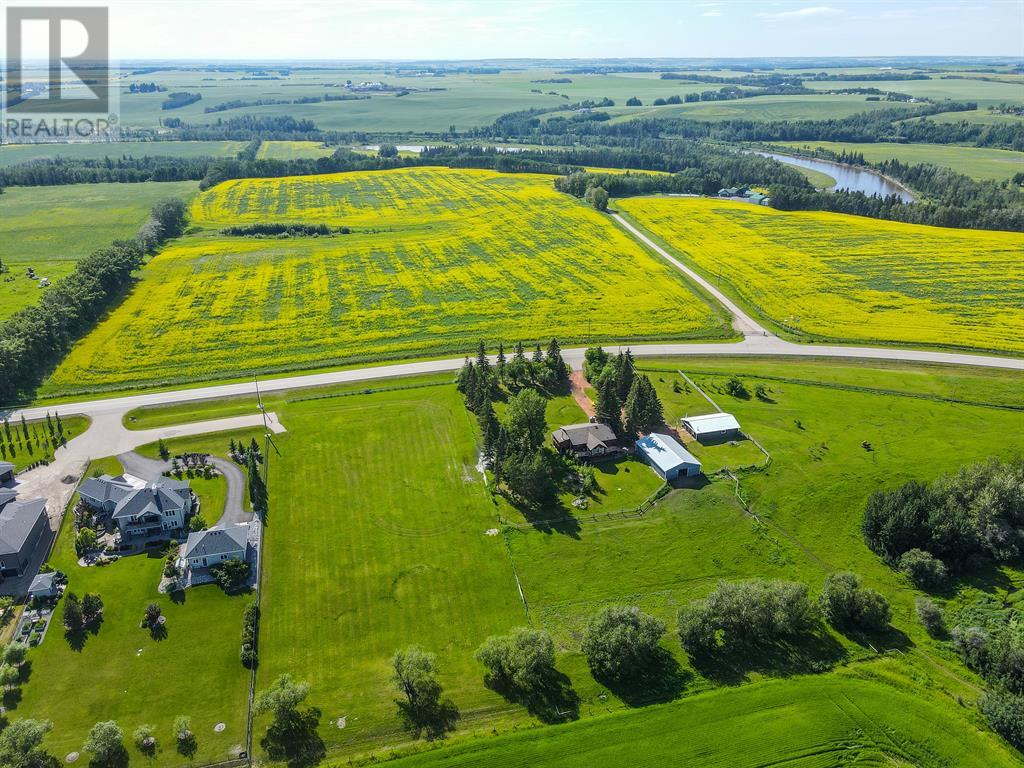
(139, 508)
(22, 525)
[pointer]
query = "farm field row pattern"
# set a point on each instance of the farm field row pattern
(375, 541)
(831, 276)
(440, 259)
(50, 228)
(976, 162)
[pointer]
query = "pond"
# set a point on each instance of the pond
(847, 176)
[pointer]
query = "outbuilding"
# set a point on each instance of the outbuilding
(43, 586)
(712, 427)
(667, 457)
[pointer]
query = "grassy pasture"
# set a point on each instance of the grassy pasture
(439, 259)
(977, 162)
(50, 228)
(829, 276)
(377, 538)
(121, 673)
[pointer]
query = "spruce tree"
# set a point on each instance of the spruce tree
(625, 373)
(556, 365)
(643, 408)
(501, 362)
(608, 406)
(489, 430)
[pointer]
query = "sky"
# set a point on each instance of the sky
(482, 29)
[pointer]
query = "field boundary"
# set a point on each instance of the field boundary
(853, 388)
(789, 333)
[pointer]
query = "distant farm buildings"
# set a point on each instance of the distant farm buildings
(712, 427)
(667, 457)
(744, 194)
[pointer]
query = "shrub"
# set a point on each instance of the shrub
(754, 611)
(924, 569)
(931, 616)
(232, 575)
(1005, 713)
(736, 388)
(621, 640)
(848, 605)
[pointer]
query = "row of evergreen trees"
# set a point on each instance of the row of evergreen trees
(626, 401)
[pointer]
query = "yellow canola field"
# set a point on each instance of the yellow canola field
(438, 259)
(849, 278)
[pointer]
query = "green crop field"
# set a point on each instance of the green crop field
(983, 92)
(13, 154)
(377, 496)
(804, 723)
(50, 228)
(439, 258)
(976, 162)
(828, 276)
(804, 107)
(121, 673)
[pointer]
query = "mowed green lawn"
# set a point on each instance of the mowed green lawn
(378, 538)
(121, 673)
(977, 162)
(809, 722)
(50, 228)
(438, 259)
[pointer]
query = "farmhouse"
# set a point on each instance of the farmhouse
(6, 471)
(667, 457)
(139, 508)
(217, 544)
(712, 427)
(587, 441)
(21, 526)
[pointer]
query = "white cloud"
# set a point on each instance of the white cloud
(711, 13)
(815, 12)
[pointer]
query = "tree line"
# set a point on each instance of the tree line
(957, 525)
(37, 337)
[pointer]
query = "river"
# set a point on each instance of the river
(847, 176)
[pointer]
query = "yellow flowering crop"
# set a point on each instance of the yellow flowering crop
(438, 259)
(851, 278)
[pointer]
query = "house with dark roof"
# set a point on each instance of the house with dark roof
(216, 545)
(6, 471)
(105, 492)
(587, 441)
(22, 524)
(139, 508)
(7, 495)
